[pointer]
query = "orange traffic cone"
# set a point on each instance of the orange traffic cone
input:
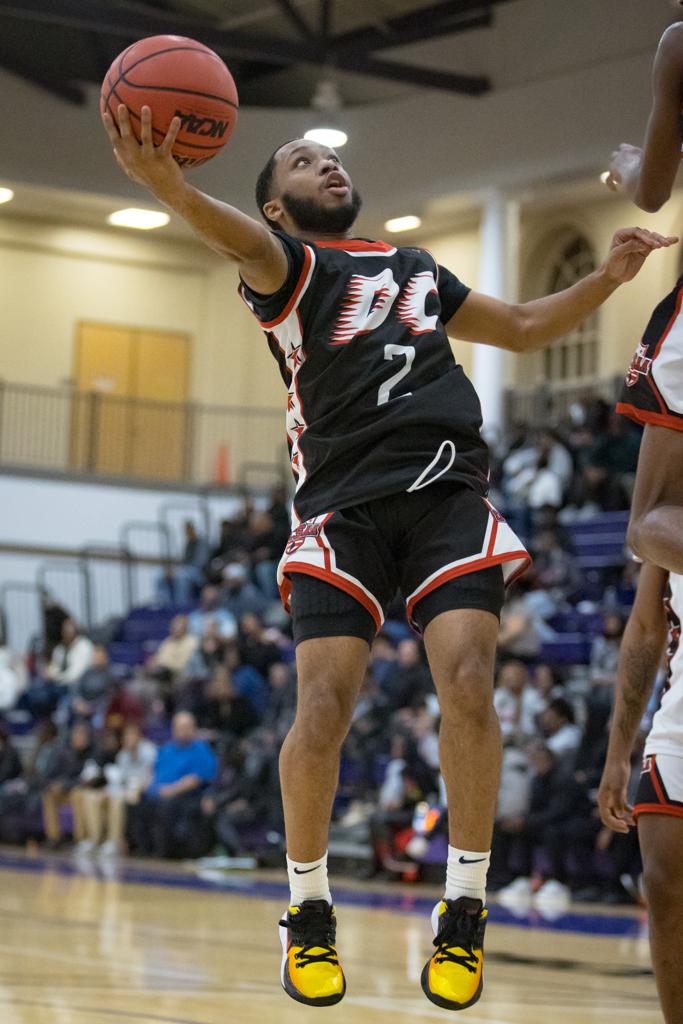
(221, 473)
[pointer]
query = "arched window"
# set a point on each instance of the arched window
(576, 358)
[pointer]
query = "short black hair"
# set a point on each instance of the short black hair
(562, 708)
(264, 184)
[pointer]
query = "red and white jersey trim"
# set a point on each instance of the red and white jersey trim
(501, 546)
(309, 552)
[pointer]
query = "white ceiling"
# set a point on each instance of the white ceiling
(571, 80)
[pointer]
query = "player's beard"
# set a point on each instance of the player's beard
(311, 217)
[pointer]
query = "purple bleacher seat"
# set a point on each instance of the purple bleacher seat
(125, 653)
(566, 649)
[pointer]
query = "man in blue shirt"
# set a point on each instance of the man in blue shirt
(162, 823)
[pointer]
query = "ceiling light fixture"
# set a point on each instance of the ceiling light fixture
(143, 220)
(396, 224)
(327, 100)
(604, 177)
(6, 194)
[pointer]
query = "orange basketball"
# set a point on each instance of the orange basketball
(175, 77)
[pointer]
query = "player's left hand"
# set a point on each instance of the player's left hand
(629, 250)
(624, 167)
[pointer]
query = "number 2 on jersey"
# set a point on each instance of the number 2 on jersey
(390, 352)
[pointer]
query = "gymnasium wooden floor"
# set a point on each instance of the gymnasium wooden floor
(80, 948)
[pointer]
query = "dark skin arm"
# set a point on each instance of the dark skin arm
(641, 652)
(647, 175)
(229, 232)
(528, 326)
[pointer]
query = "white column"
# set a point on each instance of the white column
(498, 277)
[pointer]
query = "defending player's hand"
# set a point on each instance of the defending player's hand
(624, 167)
(615, 811)
(629, 250)
(143, 162)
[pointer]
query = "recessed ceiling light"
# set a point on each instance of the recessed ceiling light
(145, 220)
(397, 224)
(6, 194)
(332, 137)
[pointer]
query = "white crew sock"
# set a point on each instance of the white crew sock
(308, 881)
(466, 874)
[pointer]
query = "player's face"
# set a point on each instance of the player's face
(315, 193)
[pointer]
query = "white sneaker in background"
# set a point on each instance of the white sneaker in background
(517, 892)
(553, 895)
(85, 848)
(109, 849)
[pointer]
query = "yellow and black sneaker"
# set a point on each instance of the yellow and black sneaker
(453, 977)
(311, 972)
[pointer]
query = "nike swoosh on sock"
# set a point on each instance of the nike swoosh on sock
(307, 871)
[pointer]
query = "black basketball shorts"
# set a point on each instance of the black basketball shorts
(653, 389)
(413, 542)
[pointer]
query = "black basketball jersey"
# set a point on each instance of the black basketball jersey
(376, 403)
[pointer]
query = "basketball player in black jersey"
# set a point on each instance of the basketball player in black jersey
(653, 391)
(391, 483)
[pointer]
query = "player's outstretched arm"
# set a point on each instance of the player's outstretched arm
(641, 651)
(261, 258)
(528, 326)
(647, 175)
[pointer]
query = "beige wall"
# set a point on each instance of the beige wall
(460, 254)
(52, 276)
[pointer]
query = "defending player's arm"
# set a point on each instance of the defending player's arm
(641, 652)
(260, 256)
(525, 327)
(647, 175)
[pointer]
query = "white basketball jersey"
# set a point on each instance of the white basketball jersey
(666, 735)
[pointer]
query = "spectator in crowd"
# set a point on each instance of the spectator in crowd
(611, 465)
(127, 777)
(220, 710)
(173, 654)
(94, 689)
(71, 657)
(178, 585)
(560, 820)
(264, 552)
(247, 680)
(547, 681)
(605, 654)
(91, 782)
(562, 734)
(61, 778)
(407, 781)
(408, 677)
(239, 596)
(211, 610)
(10, 762)
(166, 821)
(124, 708)
(517, 703)
(254, 646)
(233, 542)
(13, 678)
(209, 653)
(281, 707)
(249, 800)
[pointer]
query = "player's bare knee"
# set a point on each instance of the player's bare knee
(634, 534)
(663, 883)
(465, 692)
(323, 716)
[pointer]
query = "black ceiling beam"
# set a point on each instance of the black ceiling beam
(91, 16)
(56, 87)
(296, 19)
(436, 20)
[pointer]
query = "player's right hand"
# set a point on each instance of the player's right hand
(615, 811)
(143, 162)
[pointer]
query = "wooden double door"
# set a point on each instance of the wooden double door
(130, 413)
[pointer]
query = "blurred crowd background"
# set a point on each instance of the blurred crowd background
(158, 734)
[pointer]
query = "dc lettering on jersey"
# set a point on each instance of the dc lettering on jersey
(369, 300)
(640, 366)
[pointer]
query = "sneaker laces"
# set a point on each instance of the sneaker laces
(458, 929)
(313, 928)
